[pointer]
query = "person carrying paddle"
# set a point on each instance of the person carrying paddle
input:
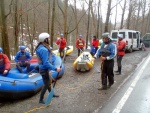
(43, 52)
(107, 52)
(61, 42)
(22, 59)
(4, 63)
(80, 43)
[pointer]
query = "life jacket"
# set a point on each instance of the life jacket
(80, 43)
(121, 51)
(2, 63)
(105, 52)
(22, 57)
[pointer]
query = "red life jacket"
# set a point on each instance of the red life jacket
(95, 42)
(80, 43)
(61, 42)
(121, 48)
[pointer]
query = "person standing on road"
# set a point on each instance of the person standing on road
(4, 63)
(80, 43)
(43, 53)
(120, 52)
(61, 42)
(22, 59)
(94, 47)
(107, 52)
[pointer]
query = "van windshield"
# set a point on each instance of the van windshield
(114, 35)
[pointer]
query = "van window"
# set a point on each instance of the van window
(114, 35)
(134, 36)
(122, 33)
(130, 34)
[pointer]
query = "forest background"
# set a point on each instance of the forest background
(21, 21)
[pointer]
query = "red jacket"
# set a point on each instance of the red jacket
(6, 61)
(120, 48)
(61, 42)
(95, 42)
(80, 43)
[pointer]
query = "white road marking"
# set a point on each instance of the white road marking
(130, 89)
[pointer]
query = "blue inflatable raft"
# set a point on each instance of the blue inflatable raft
(18, 85)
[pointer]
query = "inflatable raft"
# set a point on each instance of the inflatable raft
(18, 85)
(83, 62)
(68, 50)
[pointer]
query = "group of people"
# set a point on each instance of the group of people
(80, 44)
(106, 52)
(22, 59)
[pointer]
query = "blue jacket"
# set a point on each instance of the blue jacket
(43, 53)
(22, 56)
(111, 48)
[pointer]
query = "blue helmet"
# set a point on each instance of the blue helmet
(80, 36)
(61, 34)
(1, 49)
(22, 47)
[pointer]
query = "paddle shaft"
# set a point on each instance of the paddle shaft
(60, 67)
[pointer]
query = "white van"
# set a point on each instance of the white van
(131, 37)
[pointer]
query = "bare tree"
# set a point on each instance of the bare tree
(143, 15)
(138, 15)
(88, 25)
(4, 33)
(16, 25)
(52, 24)
(122, 17)
(65, 19)
(116, 16)
(98, 21)
(93, 17)
(107, 16)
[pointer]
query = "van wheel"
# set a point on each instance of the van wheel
(130, 50)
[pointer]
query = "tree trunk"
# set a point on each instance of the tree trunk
(16, 26)
(49, 14)
(76, 21)
(98, 21)
(93, 17)
(4, 35)
(129, 14)
(122, 18)
(52, 24)
(116, 16)
(65, 19)
(107, 16)
(143, 16)
(137, 20)
(88, 25)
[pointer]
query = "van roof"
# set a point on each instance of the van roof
(123, 30)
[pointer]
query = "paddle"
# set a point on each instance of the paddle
(51, 93)
(35, 68)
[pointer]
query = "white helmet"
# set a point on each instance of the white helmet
(43, 36)
(120, 35)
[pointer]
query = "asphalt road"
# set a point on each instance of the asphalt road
(134, 96)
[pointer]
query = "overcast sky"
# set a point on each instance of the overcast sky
(104, 5)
